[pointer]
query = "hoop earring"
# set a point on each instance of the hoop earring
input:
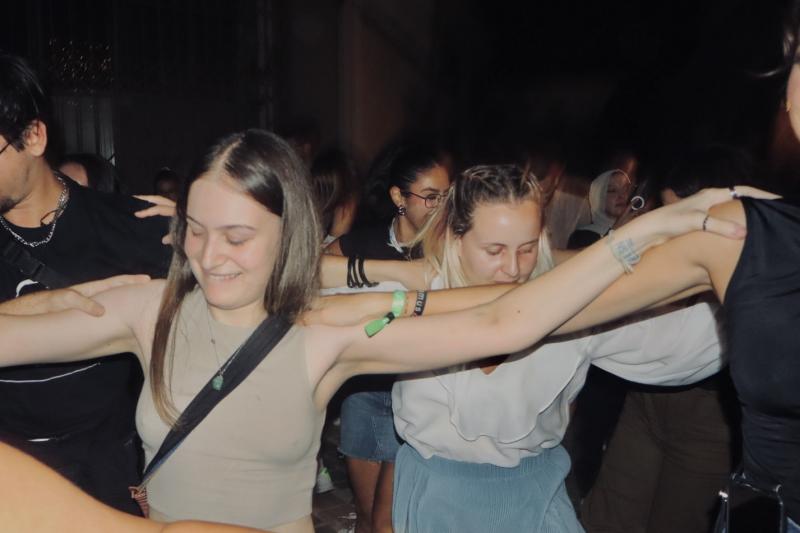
(401, 210)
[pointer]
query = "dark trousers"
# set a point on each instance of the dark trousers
(670, 455)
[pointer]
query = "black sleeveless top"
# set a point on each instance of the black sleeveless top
(763, 324)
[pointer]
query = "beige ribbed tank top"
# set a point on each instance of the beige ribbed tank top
(252, 461)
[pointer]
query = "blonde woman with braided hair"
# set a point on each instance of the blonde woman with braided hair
(482, 448)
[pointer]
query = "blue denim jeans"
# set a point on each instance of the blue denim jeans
(367, 430)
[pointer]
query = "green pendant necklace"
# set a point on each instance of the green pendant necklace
(219, 378)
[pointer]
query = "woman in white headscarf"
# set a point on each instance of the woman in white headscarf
(608, 199)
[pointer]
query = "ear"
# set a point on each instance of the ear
(396, 195)
(35, 138)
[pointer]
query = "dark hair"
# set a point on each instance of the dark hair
(791, 34)
(22, 99)
(165, 174)
(713, 165)
(398, 165)
(335, 182)
(101, 173)
(266, 168)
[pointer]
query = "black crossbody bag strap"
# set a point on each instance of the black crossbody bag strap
(18, 255)
(253, 351)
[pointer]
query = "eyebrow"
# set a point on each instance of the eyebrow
(226, 227)
(431, 189)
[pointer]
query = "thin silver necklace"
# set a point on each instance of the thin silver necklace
(62, 204)
(219, 378)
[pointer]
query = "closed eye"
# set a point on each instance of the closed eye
(236, 239)
(196, 232)
(234, 242)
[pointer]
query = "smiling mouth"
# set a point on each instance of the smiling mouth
(221, 277)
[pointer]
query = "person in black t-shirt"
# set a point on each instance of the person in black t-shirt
(76, 417)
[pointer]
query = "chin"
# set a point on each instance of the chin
(221, 295)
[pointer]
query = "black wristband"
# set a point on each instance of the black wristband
(419, 304)
(351, 264)
(364, 282)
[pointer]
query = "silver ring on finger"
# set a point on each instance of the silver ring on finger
(705, 223)
(734, 193)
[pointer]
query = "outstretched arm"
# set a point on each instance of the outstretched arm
(73, 335)
(528, 313)
(410, 273)
(675, 270)
(40, 501)
(687, 265)
(351, 309)
(75, 297)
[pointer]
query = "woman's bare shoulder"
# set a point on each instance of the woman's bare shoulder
(733, 211)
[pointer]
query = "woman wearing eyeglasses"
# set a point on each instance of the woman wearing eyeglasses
(406, 184)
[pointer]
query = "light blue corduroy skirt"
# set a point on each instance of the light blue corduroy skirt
(440, 495)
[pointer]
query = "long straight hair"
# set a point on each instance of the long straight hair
(482, 184)
(265, 167)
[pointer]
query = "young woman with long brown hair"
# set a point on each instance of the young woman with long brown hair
(247, 246)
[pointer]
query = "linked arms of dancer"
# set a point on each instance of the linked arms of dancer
(528, 313)
(75, 297)
(678, 269)
(69, 335)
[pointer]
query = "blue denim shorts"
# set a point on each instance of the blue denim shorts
(367, 430)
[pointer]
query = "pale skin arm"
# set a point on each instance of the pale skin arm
(75, 297)
(410, 273)
(349, 309)
(675, 270)
(684, 266)
(35, 499)
(508, 324)
(73, 335)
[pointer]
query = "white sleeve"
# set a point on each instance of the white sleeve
(676, 348)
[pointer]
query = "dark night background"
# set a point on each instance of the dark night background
(151, 82)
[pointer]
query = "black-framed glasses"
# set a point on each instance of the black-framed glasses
(4, 148)
(431, 200)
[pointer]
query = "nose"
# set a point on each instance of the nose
(511, 266)
(210, 255)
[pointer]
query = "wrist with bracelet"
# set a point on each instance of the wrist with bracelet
(399, 305)
(623, 251)
(356, 277)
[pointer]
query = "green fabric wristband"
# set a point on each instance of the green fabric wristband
(398, 305)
